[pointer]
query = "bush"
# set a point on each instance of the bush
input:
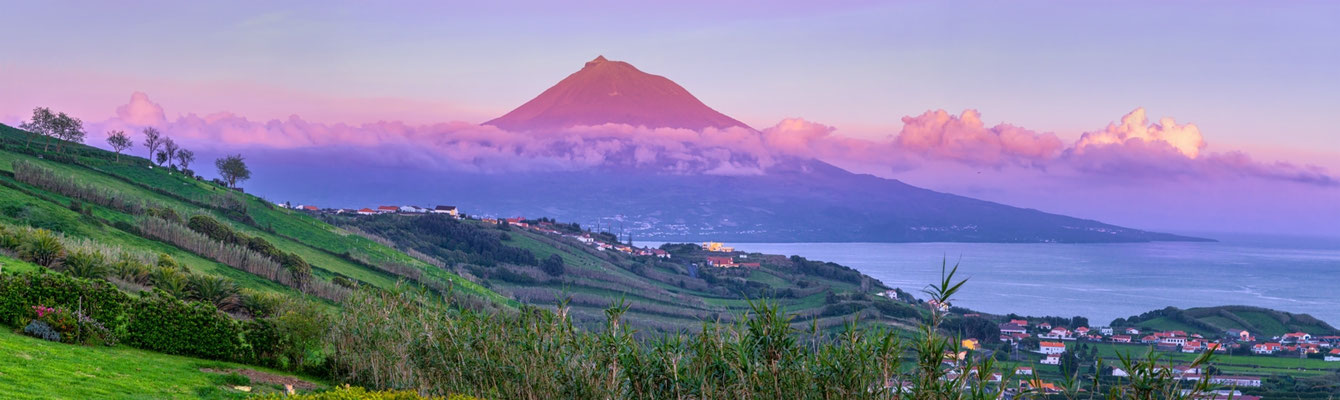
(347, 392)
(86, 264)
(553, 265)
(42, 248)
(41, 330)
(168, 325)
(221, 292)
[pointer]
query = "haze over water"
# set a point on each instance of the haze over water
(1105, 281)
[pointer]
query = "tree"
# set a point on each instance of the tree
(553, 265)
(69, 129)
(184, 158)
(152, 140)
(42, 123)
(233, 169)
(169, 153)
(119, 142)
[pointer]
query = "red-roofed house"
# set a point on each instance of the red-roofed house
(366, 211)
(721, 261)
(1132, 331)
(1052, 347)
(1267, 348)
(1297, 337)
(1194, 346)
(1019, 322)
(387, 209)
(1051, 359)
(1081, 331)
(1121, 339)
(660, 253)
(1045, 326)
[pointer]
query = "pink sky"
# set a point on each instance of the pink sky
(1031, 104)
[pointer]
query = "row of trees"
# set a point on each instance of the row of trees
(162, 149)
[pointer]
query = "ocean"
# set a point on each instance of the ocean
(1105, 281)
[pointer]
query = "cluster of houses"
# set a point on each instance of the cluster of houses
(449, 210)
(1301, 343)
(1175, 341)
(547, 227)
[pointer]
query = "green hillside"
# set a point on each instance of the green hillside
(664, 294)
(331, 252)
(1213, 321)
(31, 368)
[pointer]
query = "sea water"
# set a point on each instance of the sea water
(1105, 281)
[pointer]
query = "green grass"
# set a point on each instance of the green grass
(35, 369)
(1237, 365)
(317, 242)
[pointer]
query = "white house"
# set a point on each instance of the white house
(1239, 381)
(1106, 331)
(446, 210)
(1023, 371)
(1052, 347)
(1052, 359)
(1120, 372)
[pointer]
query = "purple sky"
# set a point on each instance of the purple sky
(1256, 77)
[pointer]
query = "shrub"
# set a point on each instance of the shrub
(41, 330)
(42, 248)
(347, 392)
(553, 265)
(168, 325)
(84, 263)
(171, 281)
(131, 270)
(220, 292)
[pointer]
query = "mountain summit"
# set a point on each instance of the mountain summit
(605, 91)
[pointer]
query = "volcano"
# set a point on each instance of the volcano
(616, 92)
(672, 199)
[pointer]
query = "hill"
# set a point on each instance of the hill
(1263, 322)
(672, 292)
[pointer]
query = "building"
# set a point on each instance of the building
(1019, 322)
(660, 253)
(1267, 348)
(366, 211)
(449, 210)
(717, 247)
(1052, 347)
(1051, 359)
(1045, 326)
(1132, 331)
(1007, 329)
(1193, 346)
(1106, 331)
(1296, 337)
(1121, 339)
(310, 208)
(1240, 335)
(1238, 381)
(412, 209)
(1023, 371)
(387, 209)
(1082, 331)
(724, 262)
(1119, 372)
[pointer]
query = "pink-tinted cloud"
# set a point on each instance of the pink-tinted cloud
(141, 111)
(1133, 149)
(1135, 127)
(937, 134)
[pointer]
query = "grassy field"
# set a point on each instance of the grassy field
(1236, 365)
(322, 245)
(35, 369)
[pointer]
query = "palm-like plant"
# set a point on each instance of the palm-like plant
(42, 248)
(172, 281)
(218, 291)
(85, 264)
(132, 271)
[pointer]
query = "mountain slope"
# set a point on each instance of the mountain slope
(614, 92)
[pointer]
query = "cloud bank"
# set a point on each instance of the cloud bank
(1133, 149)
